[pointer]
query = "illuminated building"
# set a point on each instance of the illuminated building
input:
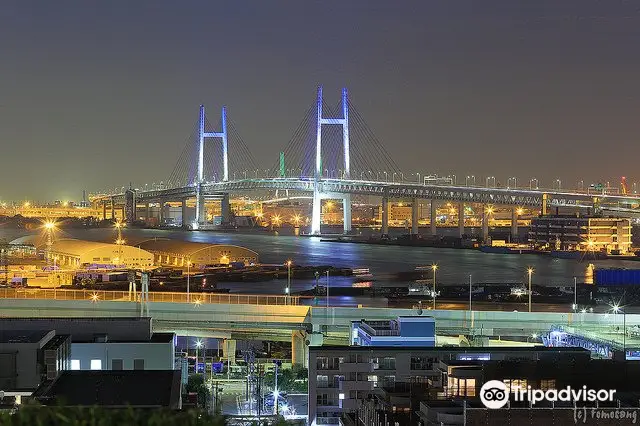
(599, 234)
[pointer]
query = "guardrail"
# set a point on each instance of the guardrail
(167, 297)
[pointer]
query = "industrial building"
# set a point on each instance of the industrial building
(75, 253)
(599, 234)
(179, 253)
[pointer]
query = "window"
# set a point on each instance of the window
(75, 364)
(322, 399)
(389, 381)
(116, 364)
(336, 380)
(547, 384)
(138, 364)
(421, 363)
(96, 364)
(322, 363)
(387, 363)
(514, 385)
(322, 381)
(374, 379)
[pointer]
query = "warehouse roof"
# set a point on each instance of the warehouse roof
(183, 248)
(78, 247)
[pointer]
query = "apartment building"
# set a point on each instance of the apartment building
(342, 378)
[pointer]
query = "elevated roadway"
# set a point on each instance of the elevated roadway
(258, 316)
(469, 194)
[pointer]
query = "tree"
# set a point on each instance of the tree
(289, 380)
(196, 384)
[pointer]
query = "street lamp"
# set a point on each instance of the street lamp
(288, 290)
(531, 183)
(188, 278)
(418, 175)
(559, 182)
(393, 178)
(49, 227)
(198, 346)
(434, 268)
(575, 293)
(530, 272)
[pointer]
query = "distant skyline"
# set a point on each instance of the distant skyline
(94, 95)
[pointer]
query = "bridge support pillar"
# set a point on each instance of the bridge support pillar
(433, 218)
(184, 218)
(346, 213)
(485, 224)
(123, 213)
(299, 349)
(316, 211)
(129, 209)
(161, 213)
(414, 216)
(104, 211)
(385, 216)
(225, 208)
(113, 209)
(201, 211)
(545, 198)
(229, 351)
(514, 225)
(460, 219)
(147, 212)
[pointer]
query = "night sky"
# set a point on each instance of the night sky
(97, 94)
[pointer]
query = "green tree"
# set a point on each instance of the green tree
(289, 380)
(98, 416)
(196, 384)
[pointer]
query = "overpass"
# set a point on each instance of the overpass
(309, 175)
(236, 316)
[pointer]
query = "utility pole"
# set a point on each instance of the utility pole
(4, 260)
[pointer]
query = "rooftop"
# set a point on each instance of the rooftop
(182, 248)
(22, 336)
(137, 388)
(446, 349)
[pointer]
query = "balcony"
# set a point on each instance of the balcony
(356, 367)
(347, 385)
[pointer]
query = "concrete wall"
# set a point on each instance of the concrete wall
(19, 368)
(157, 356)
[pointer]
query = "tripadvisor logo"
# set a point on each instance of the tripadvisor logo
(494, 394)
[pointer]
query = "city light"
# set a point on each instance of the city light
(50, 225)
(94, 297)
(519, 211)
(198, 343)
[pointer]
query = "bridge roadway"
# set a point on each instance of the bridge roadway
(260, 316)
(468, 194)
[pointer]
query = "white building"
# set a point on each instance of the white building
(157, 353)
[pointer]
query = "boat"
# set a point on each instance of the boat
(576, 254)
(508, 249)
